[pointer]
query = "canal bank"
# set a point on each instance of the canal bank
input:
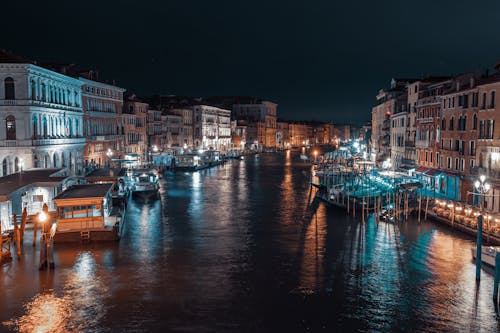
(245, 247)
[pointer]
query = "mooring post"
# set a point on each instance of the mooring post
(479, 247)
(419, 207)
(23, 223)
(497, 277)
(426, 207)
(35, 227)
(363, 210)
(348, 203)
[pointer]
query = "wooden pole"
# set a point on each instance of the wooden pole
(347, 203)
(497, 278)
(363, 210)
(419, 207)
(354, 207)
(18, 243)
(35, 227)
(24, 217)
(426, 208)
(17, 237)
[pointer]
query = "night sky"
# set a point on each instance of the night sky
(321, 60)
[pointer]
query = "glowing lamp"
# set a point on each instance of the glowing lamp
(42, 217)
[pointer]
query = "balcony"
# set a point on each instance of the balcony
(29, 102)
(62, 141)
(425, 120)
(424, 144)
(429, 101)
(110, 137)
(15, 143)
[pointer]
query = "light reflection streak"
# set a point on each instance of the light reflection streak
(80, 307)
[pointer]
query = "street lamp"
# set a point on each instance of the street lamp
(482, 187)
(315, 156)
(109, 154)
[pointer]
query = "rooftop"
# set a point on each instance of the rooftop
(106, 173)
(85, 191)
(16, 181)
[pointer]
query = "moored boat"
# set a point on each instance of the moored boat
(145, 183)
(488, 254)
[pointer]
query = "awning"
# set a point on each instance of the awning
(421, 170)
(432, 172)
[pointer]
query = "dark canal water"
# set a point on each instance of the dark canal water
(245, 248)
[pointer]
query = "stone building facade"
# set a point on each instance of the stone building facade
(102, 113)
(42, 117)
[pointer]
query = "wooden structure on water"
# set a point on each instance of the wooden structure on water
(85, 212)
(358, 188)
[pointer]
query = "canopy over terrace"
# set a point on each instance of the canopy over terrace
(383, 181)
(30, 188)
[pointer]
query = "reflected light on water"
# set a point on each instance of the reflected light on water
(45, 313)
(80, 307)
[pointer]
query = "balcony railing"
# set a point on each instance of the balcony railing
(426, 120)
(15, 143)
(422, 144)
(429, 101)
(110, 137)
(62, 141)
(29, 102)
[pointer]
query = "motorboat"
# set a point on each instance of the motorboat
(145, 182)
(488, 254)
(335, 191)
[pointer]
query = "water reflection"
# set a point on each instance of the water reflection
(80, 305)
(246, 247)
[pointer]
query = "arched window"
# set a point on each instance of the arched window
(4, 167)
(44, 127)
(10, 125)
(44, 92)
(33, 89)
(474, 122)
(16, 164)
(443, 124)
(54, 160)
(63, 160)
(35, 127)
(451, 124)
(10, 91)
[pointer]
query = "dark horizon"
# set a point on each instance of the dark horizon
(324, 62)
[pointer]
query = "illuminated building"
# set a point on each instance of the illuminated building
(42, 118)
(212, 127)
(488, 133)
(134, 119)
(102, 109)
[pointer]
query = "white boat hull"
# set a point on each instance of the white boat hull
(487, 255)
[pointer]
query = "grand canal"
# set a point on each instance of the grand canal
(244, 247)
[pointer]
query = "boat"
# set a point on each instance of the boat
(189, 162)
(488, 254)
(387, 214)
(145, 182)
(335, 191)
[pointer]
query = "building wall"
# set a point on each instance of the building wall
(212, 127)
(102, 108)
(134, 128)
(42, 122)
(488, 143)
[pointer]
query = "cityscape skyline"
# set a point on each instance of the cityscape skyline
(326, 62)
